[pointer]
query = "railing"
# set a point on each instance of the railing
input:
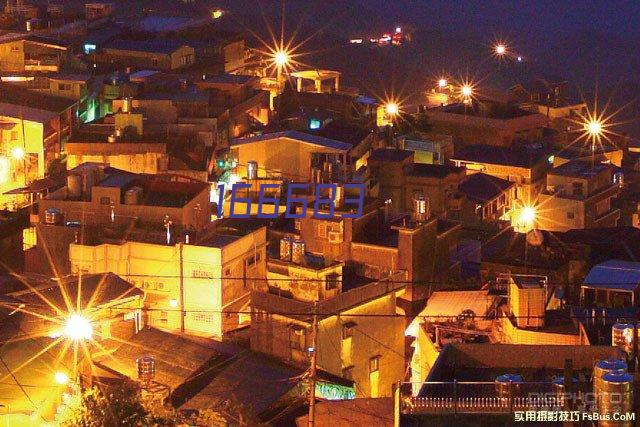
(488, 397)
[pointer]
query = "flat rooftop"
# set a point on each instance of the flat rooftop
(490, 110)
(580, 169)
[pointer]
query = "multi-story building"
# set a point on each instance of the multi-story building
(368, 350)
(483, 122)
(401, 180)
(33, 130)
(156, 54)
(578, 195)
(31, 53)
(525, 167)
(98, 10)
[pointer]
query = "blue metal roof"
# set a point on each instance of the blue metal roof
(614, 274)
(294, 134)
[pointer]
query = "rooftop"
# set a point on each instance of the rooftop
(483, 188)
(580, 169)
(425, 170)
(296, 135)
(486, 109)
(519, 157)
(229, 79)
(16, 96)
(389, 155)
(162, 46)
(614, 274)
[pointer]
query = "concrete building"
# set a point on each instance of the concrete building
(485, 198)
(367, 350)
(156, 54)
(578, 195)
(483, 122)
(97, 194)
(200, 288)
(429, 149)
(401, 179)
(31, 53)
(33, 129)
(525, 167)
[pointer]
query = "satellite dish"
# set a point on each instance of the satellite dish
(535, 237)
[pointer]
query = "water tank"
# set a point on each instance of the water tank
(604, 367)
(615, 396)
(146, 368)
(286, 248)
(559, 389)
(132, 196)
(298, 251)
(508, 385)
(74, 186)
(53, 216)
(622, 336)
(420, 208)
(252, 169)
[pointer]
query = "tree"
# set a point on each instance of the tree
(124, 406)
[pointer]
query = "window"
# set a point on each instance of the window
(186, 59)
(15, 48)
(251, 261)
(297, 224)
(347, 329)
(570, 215)
(577, 189)
(321, 230)
(374, 364)
(297, 338)
(203, 317)
(164, 317)
(332, 281)
(29, 238)
(105, 200)
(154, 62)
(64, 86)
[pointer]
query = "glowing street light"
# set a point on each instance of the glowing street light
(528, 215)
(392, 108)
(281, 58)
(466, 91)
(442, 83)
(61, 378)
(500, 49)
(18, 153)
(593, 128)
(77, 328)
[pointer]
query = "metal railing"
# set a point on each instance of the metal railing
(486, 397)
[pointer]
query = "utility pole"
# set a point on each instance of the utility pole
(182, 312)
(313, 369)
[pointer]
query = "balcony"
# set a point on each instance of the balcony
(42, 64)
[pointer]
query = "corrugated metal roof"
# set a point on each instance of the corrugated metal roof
(294, 134)
(614, 274)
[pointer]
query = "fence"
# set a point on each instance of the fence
(489, 397)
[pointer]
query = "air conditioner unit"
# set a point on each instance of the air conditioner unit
(335, 237)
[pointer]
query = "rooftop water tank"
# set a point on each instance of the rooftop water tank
(615, 396)
(146, 368)
(252, 169)
(286, 247)
(298, 251)
(53, 216)
(133, 196)
(508, 385)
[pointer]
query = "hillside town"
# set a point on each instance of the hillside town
(202, 218)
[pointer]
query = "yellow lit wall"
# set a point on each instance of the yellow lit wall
(213, 278)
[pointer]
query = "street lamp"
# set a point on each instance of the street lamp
(500, 49)
(77, 328)
(392, 108)
(61, 378)
(18, 153)
(593, 128)
(466, 91)
(528, 215)
(281, 58)
(442, 83)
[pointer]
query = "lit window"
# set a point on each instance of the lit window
(89, 48)
(29, 238)
(321, 231)
(164, 317)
